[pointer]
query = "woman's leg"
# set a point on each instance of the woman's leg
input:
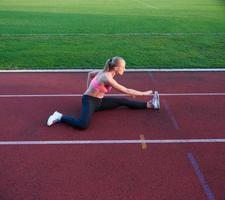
(114, 102)
(89, 105)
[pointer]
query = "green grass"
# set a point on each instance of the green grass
(84, 21)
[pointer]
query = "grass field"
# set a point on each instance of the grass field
(84, 33)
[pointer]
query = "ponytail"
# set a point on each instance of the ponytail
(108, 65)
(111, 63)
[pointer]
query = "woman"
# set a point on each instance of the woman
(99, 83)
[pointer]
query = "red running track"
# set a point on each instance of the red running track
(113, 171)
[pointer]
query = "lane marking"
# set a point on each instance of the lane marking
(201, 177)
(194, 94)
(112, 34)
(152, 77)
(143, 144)
(79, 95)
(171, 115)
(144, 69)
(146, 4)
(83, 142)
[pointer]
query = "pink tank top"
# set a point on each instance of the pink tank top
(100, 87)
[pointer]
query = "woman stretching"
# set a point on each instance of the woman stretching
(99, 83)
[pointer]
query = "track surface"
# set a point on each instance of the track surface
(113, 171)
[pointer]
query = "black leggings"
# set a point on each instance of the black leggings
(91, 104)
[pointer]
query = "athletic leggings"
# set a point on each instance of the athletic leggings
(91, 104)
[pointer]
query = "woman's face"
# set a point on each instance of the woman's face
(120, 68)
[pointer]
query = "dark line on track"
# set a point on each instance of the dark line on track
(155, 82)
(171, 116)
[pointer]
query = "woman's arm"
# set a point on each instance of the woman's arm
(91, 75)
(128, 91)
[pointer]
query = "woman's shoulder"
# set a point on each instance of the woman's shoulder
(94, 73)
(105, 76)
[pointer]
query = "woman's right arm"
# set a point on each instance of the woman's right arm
(128, 91)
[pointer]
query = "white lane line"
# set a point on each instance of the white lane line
(146, 4)
(88, 69)
(83, 142)
(39, 95)
(194, 94)
(79, 95)
(112, 34)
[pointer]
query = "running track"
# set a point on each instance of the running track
(143, 166)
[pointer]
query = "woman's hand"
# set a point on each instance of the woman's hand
(148, 93)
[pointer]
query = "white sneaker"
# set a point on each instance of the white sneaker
(54, 118)
(155, 101)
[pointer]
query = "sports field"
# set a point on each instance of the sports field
(176, 153)
(84, 33)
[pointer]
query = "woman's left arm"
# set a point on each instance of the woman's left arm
(91, 75)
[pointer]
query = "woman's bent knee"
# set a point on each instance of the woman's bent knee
(83, 125)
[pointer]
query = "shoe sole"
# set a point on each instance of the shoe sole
(158, 100)
(50, 121)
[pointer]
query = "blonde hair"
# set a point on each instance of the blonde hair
(112, 63)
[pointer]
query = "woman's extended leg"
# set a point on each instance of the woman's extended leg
(114, 102)
(89, 105)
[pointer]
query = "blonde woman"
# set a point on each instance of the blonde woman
(98, 84)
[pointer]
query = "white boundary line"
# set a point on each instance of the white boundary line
(109, 34)
(79, 95)
(127, 70)
(146, 4)
(83, 142)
